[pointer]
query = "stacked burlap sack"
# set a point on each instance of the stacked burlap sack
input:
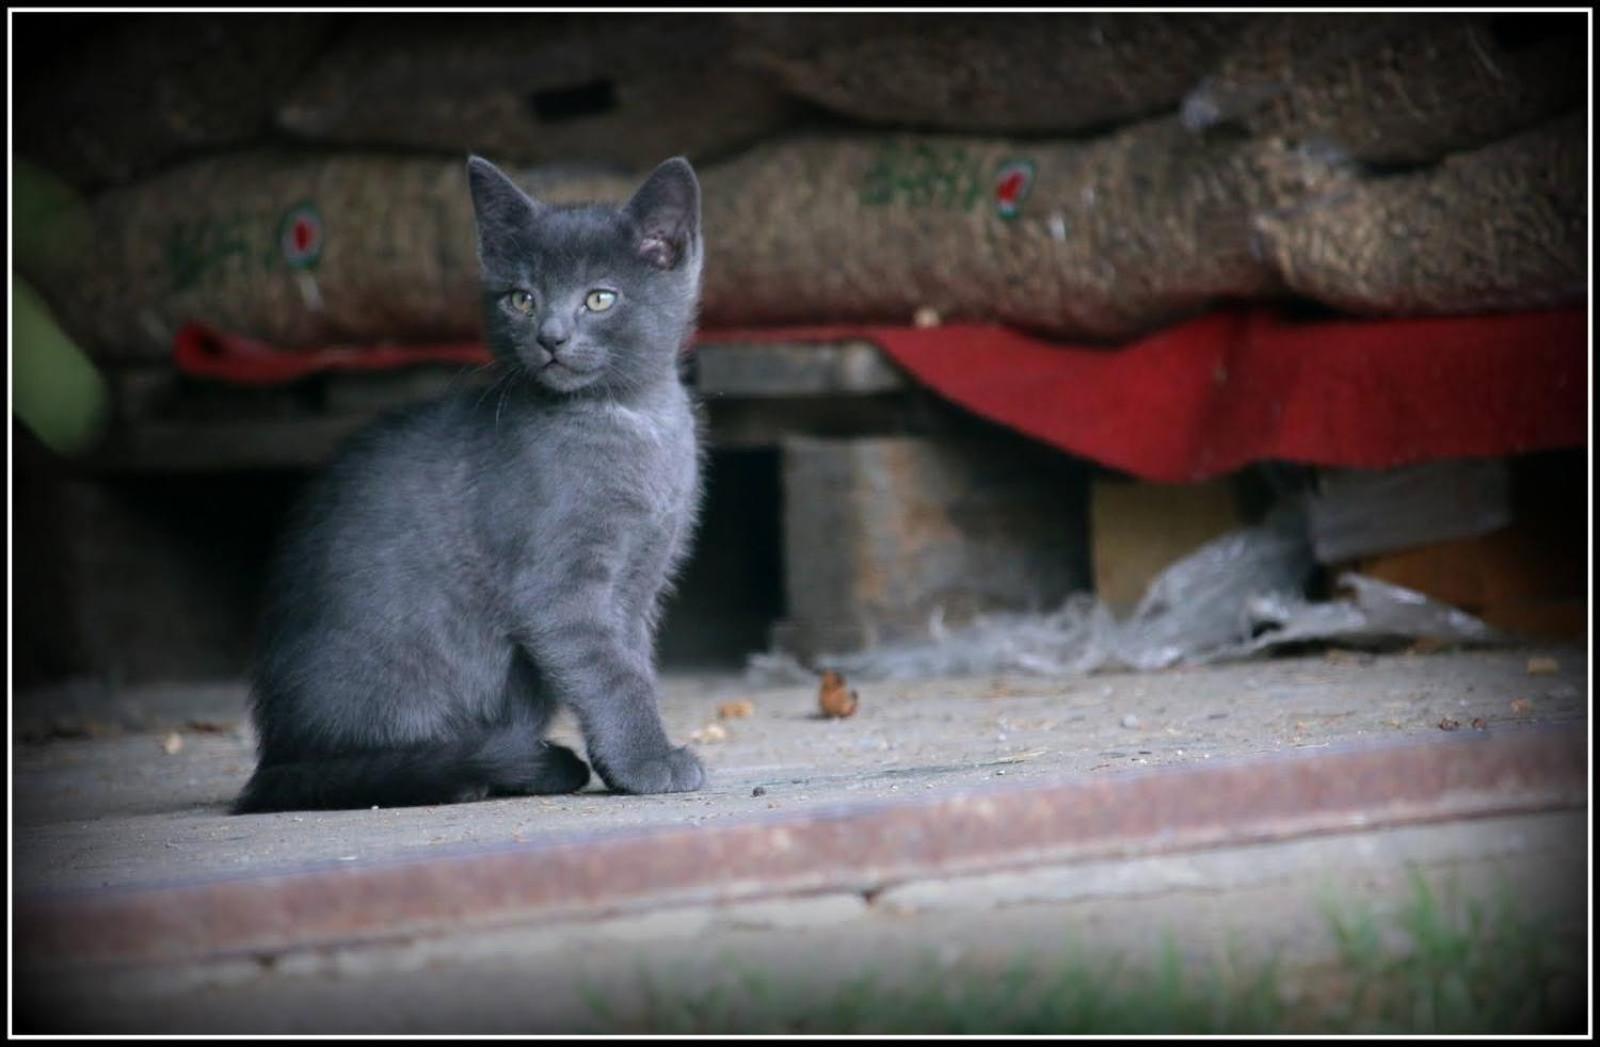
(293, 249)
(628, 90)
(119, 96)
(1323, 156)
(1395, 89)
(1008, 74)
(1499, 228)
(1100, 239)
(1097, 239)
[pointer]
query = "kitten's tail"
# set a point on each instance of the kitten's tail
(506, 761)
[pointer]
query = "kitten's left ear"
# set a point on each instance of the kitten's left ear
(667, 210)
(500, 206)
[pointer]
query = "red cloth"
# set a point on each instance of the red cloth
(200, 352)
(1194, 401)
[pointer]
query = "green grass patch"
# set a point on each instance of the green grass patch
(1461, 964)
(1438, 963)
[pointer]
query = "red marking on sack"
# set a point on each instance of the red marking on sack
(1011, 188)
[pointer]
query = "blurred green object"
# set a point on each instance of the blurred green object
(55, 388)
(50, 225)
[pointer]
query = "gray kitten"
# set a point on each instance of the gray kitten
(465, 567)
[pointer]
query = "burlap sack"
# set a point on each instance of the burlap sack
(536, 89)
(294, 250)
(1396, 88)
(1500, 228)
(140, 90)
(1098, 240)
(1104, 239)
(989, 74)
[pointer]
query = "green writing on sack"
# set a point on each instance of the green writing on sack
(924, 175)
(209, 248)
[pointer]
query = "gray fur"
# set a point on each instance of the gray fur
(465, 567)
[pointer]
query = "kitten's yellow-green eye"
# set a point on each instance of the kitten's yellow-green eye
(521, 301)
(600, 301)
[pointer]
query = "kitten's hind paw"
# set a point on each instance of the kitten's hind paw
(564, 770)
(556, 769)
(675, 771)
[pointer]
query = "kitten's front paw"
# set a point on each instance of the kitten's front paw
(677, 771)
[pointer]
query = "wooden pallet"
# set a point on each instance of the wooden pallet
(754, 395)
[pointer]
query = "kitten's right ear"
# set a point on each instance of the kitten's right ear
(502, 208)
(667, 208)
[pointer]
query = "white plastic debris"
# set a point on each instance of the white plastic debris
(1238, 596)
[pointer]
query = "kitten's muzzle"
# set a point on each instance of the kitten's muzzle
(553, 335)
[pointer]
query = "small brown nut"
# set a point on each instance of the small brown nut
(837, 700)
(1543, 666)
(736, 710)
(1448, 724)
(1521, 706)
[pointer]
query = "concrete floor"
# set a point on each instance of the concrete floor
(142, 802)
(124, 809)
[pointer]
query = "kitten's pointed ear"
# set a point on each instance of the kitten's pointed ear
(667, 210)
(501, 206)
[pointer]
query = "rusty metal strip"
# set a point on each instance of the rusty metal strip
(863, 848)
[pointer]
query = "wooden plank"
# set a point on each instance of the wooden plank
(1356, 513)
(373, 393)
(765, 423)
(1139, 529)
(219, 444)
(754, 395)
(307, 440)
(786, 370)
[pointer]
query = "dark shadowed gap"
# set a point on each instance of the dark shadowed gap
(571, 103)
(731, 590)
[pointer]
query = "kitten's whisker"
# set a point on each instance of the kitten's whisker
(505, 387)
(465, 376)
(491, 387)
(475, 371)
